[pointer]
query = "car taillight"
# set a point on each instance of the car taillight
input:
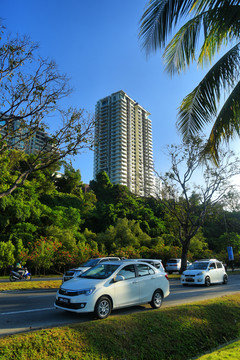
(166, 276)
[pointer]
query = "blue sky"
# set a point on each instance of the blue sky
(96, 44)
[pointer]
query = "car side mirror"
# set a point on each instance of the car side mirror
(118, 278)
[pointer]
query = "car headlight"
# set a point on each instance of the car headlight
(86, 292)
(200, 273)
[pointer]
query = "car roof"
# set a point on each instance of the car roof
(149, 260)
(125, 261)
(207, 260)
(173, 259)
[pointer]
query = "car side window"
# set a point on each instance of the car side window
(219, 265)
(128, 272)
(212, 266)
(103, 260)
(144, 270)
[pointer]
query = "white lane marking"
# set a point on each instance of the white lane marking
(25, 311)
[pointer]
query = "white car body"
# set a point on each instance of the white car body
(205, 272)
(130, 283)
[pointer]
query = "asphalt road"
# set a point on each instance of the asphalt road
(30, 310)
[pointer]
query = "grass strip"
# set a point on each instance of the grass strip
(27, 285)
(176, 333)
(227, 352)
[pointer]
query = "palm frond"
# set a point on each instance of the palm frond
(181, 49)
(205, 5)
(220, 26)
(159, 19)
(200, 106)
(227, 123)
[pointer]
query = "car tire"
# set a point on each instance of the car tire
(207, 281)
(103, 307)
(184, 284)
(225, 279)
(157, 299)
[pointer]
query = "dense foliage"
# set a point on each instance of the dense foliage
(54, 222)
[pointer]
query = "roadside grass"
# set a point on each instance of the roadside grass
(227, 352)
(175, 333)
(27, 285)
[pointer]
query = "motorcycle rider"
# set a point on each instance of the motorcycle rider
(20, 269)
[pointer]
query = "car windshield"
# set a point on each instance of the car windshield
(198, 266)
(90, 263)
(173, 261)
(101, 271)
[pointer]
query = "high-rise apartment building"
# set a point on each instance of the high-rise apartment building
(18, 138)
(123, 135)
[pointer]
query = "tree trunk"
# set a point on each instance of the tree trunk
(185, 248)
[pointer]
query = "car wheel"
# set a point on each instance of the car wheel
(207, 281)
(184, 284)
(156, 299)
(103, 307)
(225, 279)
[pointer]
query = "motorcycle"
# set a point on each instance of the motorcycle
(24, 274)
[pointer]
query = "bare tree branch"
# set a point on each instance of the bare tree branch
(31, 89)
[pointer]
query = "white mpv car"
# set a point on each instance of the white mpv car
(205, 272)
(113, 285)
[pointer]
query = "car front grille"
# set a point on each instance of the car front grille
(70, 305)
(68, 292)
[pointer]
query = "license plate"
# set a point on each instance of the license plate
(63, 300)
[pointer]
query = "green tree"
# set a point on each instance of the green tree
(6, 254)
(198, 246)
(102, 187)
(215, 24)
(20, 251)
(230, 239)
(124, 233)
(70, 182)
(22, 233)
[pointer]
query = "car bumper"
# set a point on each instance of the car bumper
(172, 269)
(196, 280)
(79, 304)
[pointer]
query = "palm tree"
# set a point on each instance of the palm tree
(210, 25)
